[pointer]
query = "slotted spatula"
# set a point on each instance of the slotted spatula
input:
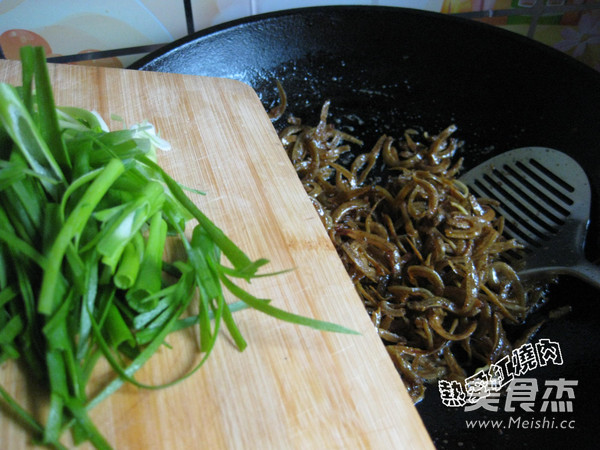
(545, 198)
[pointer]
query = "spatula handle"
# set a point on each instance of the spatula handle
(583, 270)
(588, 272)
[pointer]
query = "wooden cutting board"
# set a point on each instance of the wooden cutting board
(293, 387)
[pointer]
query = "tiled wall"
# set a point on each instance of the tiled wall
(118, 32)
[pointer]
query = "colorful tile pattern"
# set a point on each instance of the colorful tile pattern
(118, 32)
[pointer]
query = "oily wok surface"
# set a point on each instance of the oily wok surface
(388, 69)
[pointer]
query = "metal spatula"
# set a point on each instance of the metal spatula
(545, 198)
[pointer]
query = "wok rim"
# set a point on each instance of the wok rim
(486, 28)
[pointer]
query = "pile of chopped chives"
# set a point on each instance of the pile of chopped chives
(85, 214)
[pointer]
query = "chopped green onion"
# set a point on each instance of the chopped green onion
(85, 213)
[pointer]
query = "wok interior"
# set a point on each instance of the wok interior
(388, 69)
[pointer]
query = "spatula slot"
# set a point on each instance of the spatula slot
(546, 183)
(551, 175)
(517, 210)
(538, 192)
(518, 225)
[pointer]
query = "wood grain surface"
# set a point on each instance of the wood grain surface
(293, 387)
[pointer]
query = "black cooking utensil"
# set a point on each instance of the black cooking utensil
(386, 69)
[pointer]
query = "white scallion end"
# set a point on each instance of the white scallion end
(147, 130)
(101, 121)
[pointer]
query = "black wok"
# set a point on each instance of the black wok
(386, 69)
